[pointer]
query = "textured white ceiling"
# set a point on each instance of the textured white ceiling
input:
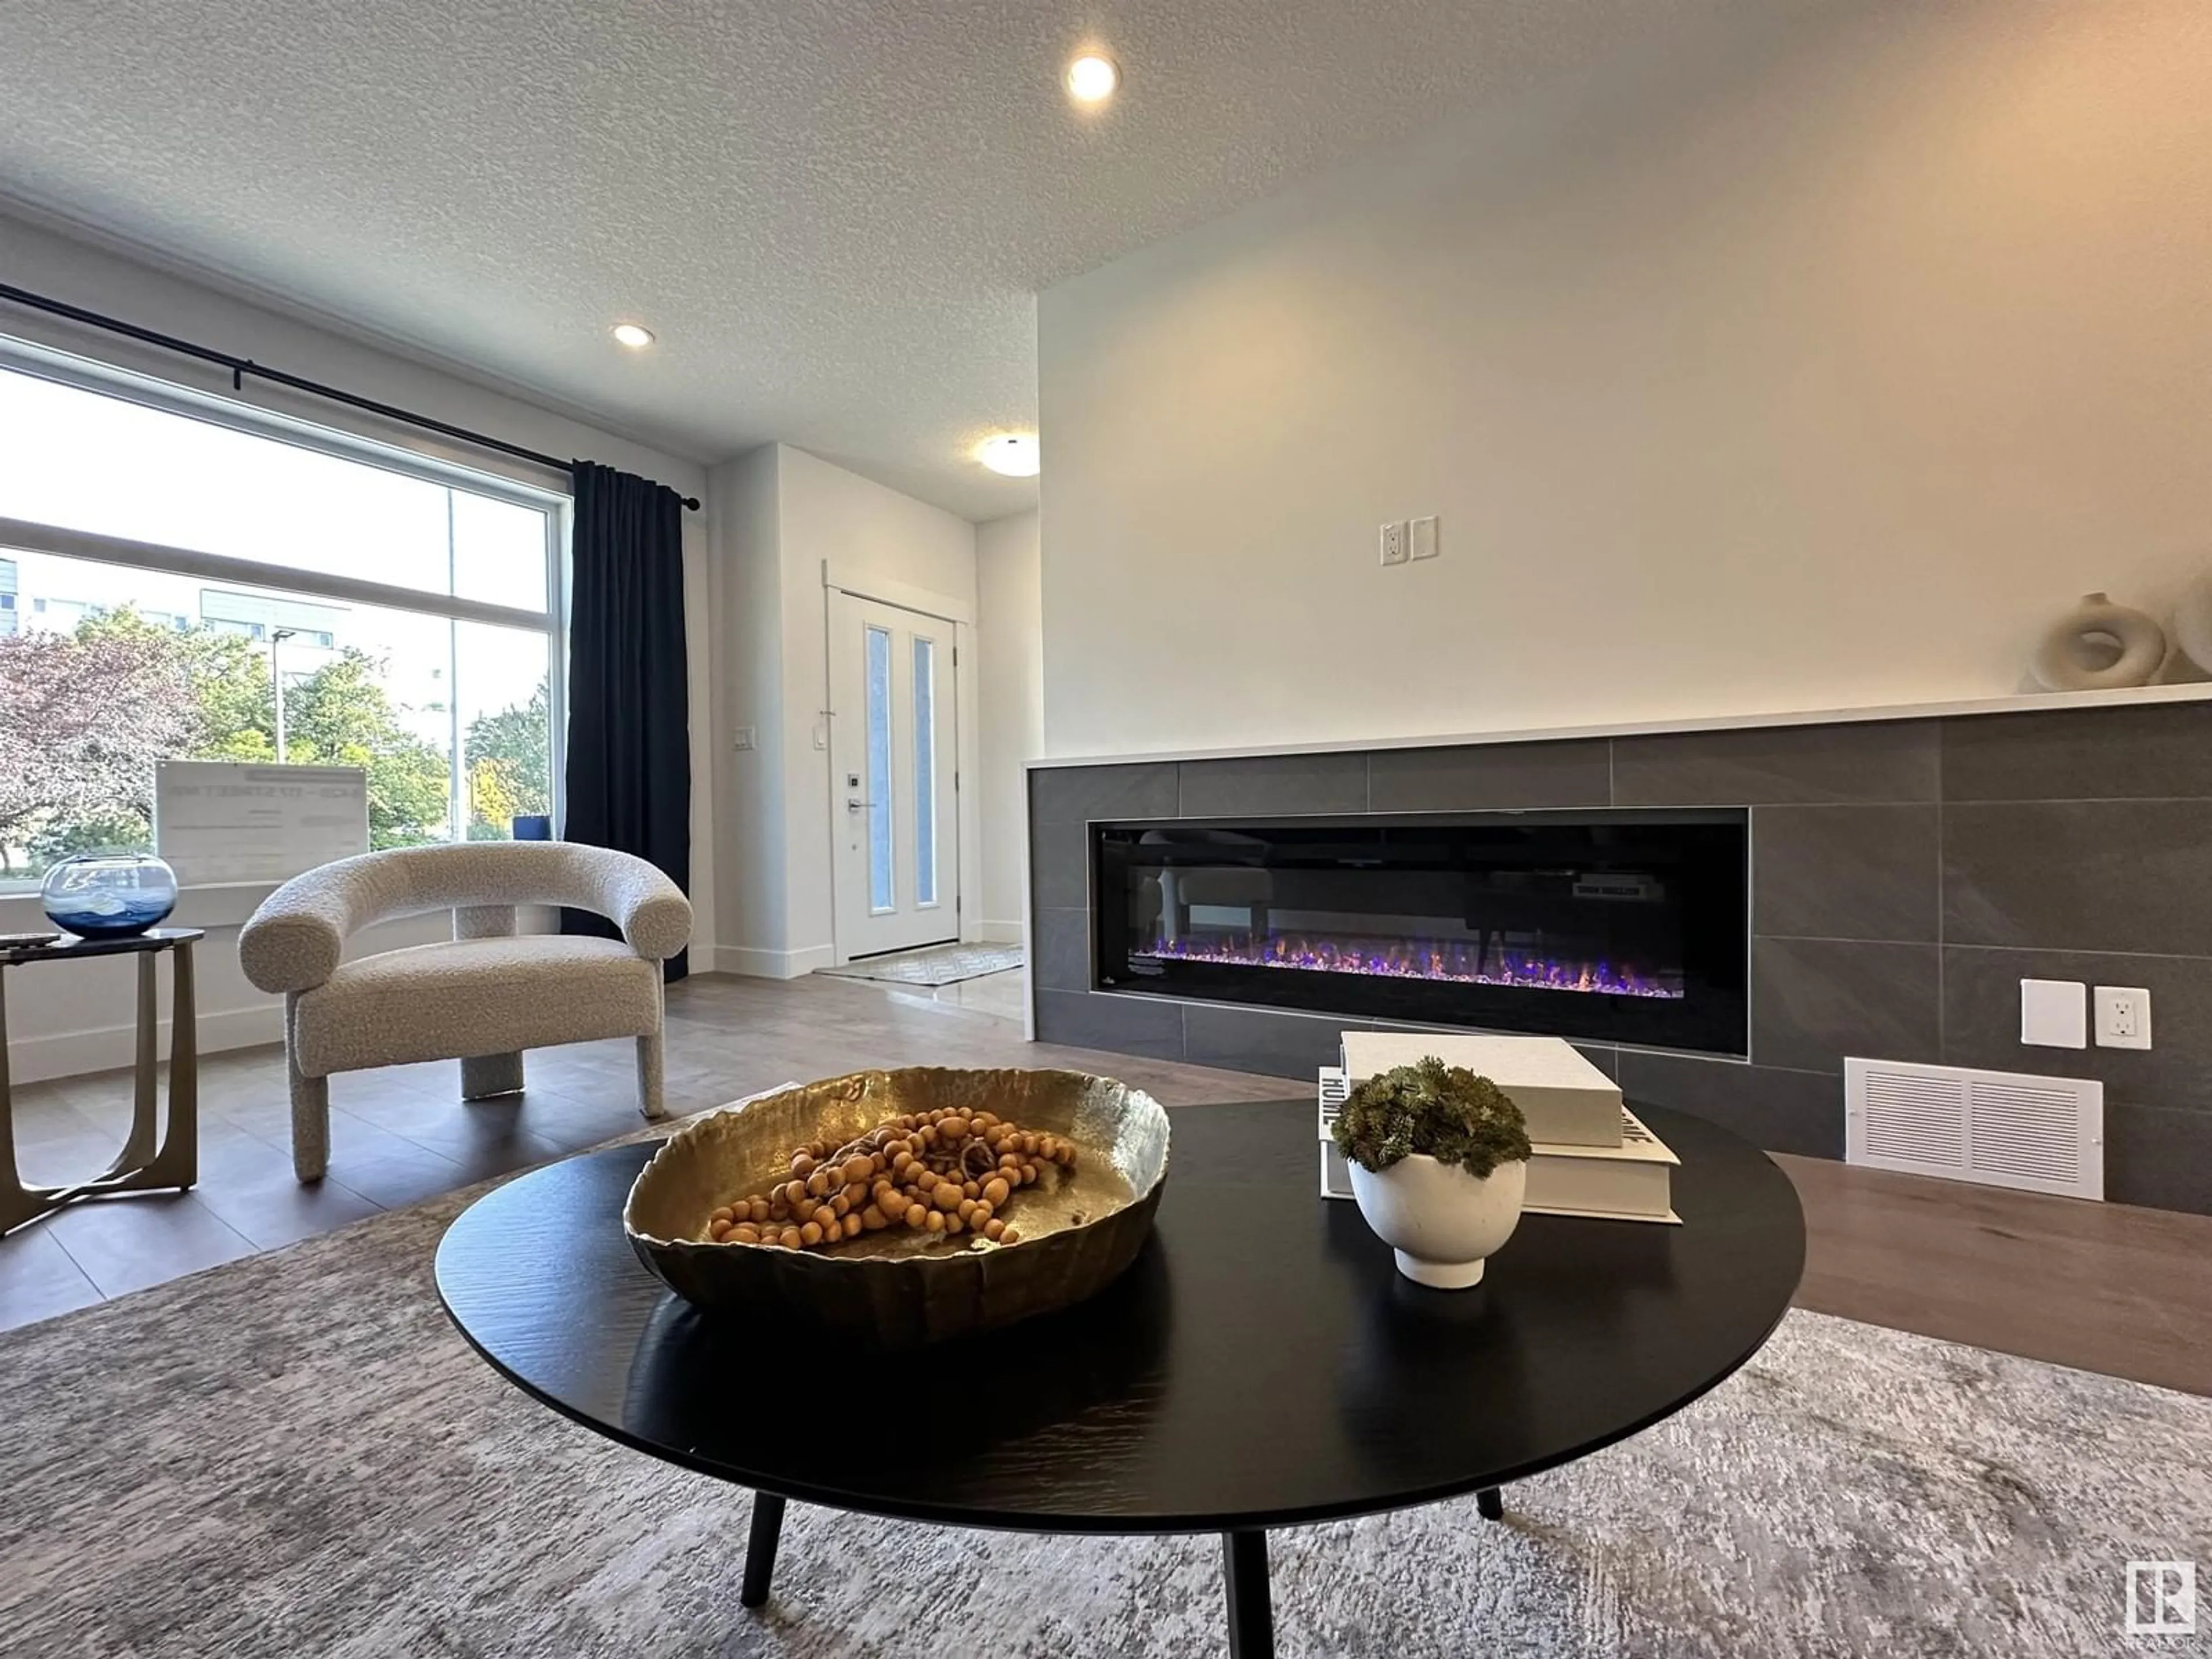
(834, 213)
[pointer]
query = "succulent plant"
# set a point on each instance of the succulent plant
(1446, 1112)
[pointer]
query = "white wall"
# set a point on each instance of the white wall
(788, 522)
(1817, 369)
(76, 1016)
(1010, 681)
(753, 926)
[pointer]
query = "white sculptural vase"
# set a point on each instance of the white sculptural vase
(2098, 647)
(2192, 622)
(1443, 1223)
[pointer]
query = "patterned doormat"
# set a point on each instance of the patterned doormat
(938, 965)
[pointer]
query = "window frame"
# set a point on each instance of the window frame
(26, 357)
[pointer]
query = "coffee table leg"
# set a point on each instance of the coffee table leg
(1489, 1503)
(760, 1548)
(1251, 1610)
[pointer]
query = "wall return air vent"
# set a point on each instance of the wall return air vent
(2045, 1134)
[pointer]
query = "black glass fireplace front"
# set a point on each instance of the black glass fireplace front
(1617, 927)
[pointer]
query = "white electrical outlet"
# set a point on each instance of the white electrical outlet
(1424, 538)
(1393, 543)
(2122, 1016)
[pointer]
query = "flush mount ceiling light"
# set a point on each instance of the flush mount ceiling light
(631, 335)
(1013, 453)
(1091, 78)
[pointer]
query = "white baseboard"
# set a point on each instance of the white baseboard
(757, 963)
(108, 1048)
(1000, 932)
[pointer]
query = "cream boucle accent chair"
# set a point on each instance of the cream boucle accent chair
(481, 999)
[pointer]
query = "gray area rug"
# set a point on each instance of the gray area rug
(294, 1454)
(938, 964)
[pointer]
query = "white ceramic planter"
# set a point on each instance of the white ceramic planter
(1442, 1221)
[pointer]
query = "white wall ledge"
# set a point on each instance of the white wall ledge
(2037, 703)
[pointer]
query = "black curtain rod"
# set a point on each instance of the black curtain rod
(240, 368)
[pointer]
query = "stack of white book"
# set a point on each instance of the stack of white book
(1591, 1155)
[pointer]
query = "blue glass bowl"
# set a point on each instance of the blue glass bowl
(108, 895)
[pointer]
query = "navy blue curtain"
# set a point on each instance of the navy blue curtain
(629, 742)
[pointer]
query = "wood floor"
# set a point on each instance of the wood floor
(2101, 1286)
(2107, 1287)
(401, 1135)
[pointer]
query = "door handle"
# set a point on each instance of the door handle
(854, 804)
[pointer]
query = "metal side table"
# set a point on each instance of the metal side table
(140, 1166)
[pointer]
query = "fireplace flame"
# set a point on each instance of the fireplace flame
(1432, 959)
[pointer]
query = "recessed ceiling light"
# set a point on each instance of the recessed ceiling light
(1091, 79)
(1013, 453)
(632, 335)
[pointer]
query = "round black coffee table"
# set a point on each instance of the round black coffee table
(1263, 1365)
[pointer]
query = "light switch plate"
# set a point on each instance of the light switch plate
(1393, 543)
(748, 737)
(2054, 1013)
(1424, 533)
(2123, 1016)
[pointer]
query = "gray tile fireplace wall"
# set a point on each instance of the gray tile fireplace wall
(1907, 876)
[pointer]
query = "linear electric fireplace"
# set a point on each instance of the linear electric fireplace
(1623, 927)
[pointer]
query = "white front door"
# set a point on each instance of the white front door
(892, 760)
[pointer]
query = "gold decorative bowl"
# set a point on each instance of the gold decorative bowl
(899, 1288)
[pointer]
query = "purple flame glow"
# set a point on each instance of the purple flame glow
(1434, 959)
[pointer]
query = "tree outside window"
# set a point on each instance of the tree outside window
(85, 715)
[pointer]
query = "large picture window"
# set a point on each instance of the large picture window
(176, 587)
